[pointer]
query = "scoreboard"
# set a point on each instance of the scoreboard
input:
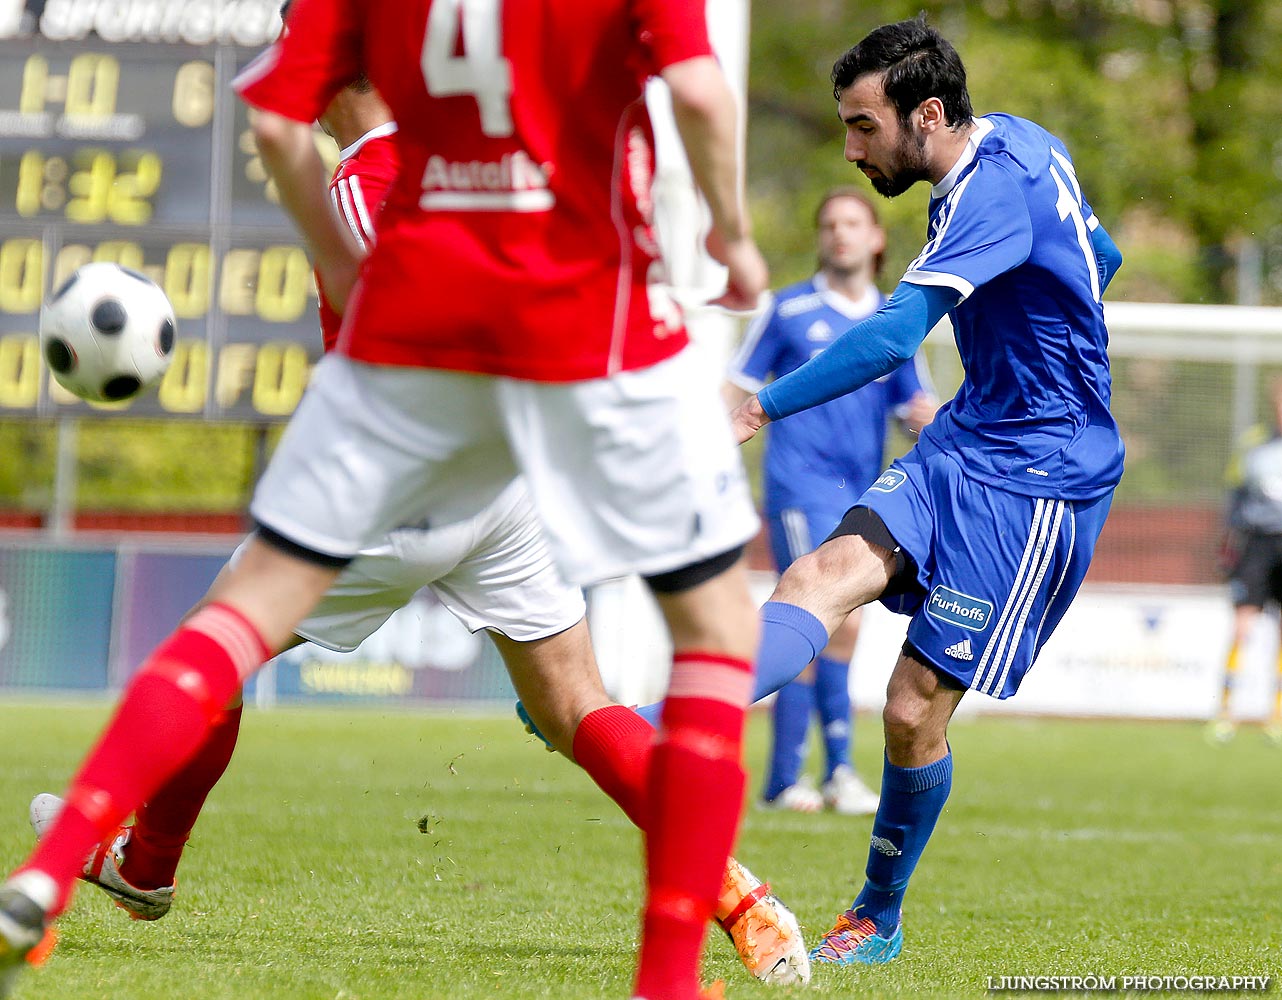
(139, 153)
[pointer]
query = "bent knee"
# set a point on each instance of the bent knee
(845, 569)
(905, 720)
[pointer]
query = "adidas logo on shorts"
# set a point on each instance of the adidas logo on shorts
(960, 650)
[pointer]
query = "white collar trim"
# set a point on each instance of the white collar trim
(377, 132)
(851, 309)
(982, 127)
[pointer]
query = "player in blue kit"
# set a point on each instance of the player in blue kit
(815, 467)
(984, 531)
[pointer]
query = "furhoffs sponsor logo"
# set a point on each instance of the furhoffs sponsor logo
(959, 609)
(889, 481)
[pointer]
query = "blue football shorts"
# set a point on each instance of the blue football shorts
(995, 570)
(794, 531)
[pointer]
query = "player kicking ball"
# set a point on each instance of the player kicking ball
(984, 531)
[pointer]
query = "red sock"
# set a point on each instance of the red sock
(162, 719)
(165, 821)
(696, 794)
(613, 745)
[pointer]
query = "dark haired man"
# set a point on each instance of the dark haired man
(984, 531)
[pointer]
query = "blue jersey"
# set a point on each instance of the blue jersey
(1010, 231)
(830, 454)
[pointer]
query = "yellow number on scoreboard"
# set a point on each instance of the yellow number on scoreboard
(19, 371)
(90, 186)
(31, 178)
(21, 275)
(280, 376)
(92, 84)
(35, 85)
(188, 279)
(127, 202)
(284, 278)
(184, 387)
(193, 102)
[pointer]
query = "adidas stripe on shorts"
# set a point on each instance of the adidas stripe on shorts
(995, 570)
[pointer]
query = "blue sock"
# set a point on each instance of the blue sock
(651, 713)
(790, 638)
(791, 726)
(911, 800)
(832, 695)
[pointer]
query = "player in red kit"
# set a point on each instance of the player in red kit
(494, 573)
(522, 216)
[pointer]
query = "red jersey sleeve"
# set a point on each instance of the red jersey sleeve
(359, 188)
(671, 31)
(318, 54)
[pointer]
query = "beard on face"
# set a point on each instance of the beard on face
(842, 268)
(907, 165)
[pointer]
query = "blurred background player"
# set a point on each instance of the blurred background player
(984, 531)
(540, 355)
(1253, 557)
(494, 573)
(814, 469)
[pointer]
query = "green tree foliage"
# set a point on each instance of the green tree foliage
(1170, 108)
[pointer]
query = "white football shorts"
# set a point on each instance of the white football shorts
(633, 473)
(492, 571)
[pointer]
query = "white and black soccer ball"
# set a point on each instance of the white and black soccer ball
(107, 333)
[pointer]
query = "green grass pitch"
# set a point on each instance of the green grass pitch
(381, 854)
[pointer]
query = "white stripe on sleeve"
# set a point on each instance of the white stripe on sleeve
(349, 213)
(362, 210)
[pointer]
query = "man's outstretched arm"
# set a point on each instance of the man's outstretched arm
(867, 351)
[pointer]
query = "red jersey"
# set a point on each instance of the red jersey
(358, 188)
(518, 237)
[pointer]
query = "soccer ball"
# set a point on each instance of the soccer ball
(107, 333)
